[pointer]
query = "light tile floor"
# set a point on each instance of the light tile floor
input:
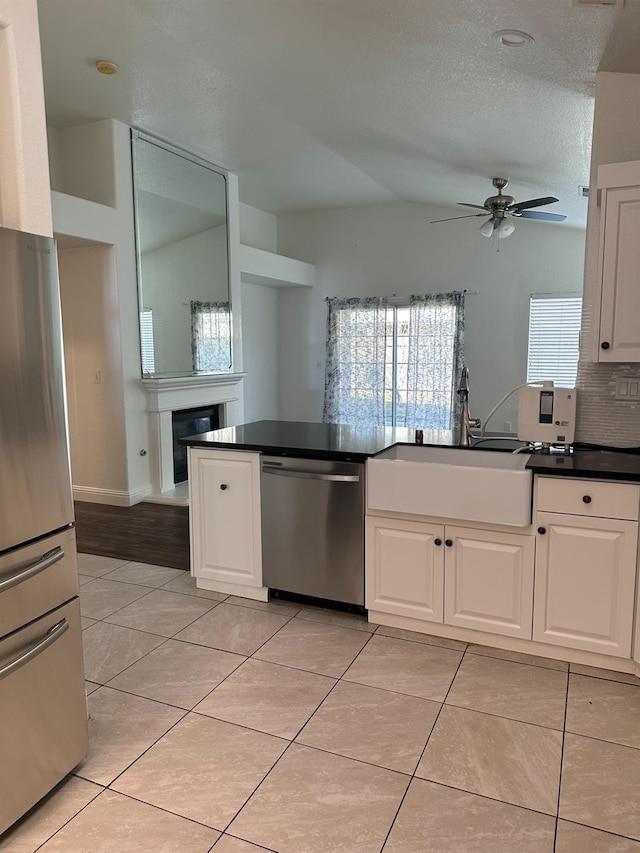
(219, 723)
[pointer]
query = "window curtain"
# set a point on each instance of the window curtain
(210, 336)
(435, 361)
(393, 362)
(356, 361)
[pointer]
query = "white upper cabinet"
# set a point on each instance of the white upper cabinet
(618, 330)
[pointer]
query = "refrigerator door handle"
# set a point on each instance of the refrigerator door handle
(43, 563)
(54, 633)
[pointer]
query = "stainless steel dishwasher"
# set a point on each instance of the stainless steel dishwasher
(313, 528)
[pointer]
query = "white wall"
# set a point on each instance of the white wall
(616, 139)
(393, 249)
(191, 269)
(260, 322)
(112, 225)
(92, 355)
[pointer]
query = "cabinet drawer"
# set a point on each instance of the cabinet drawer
(588, 497)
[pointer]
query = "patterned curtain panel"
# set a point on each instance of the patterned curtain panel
(210, 337)
(392, 363)
(356, 361)
(435, 357)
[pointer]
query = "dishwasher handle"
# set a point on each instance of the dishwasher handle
(309, 475)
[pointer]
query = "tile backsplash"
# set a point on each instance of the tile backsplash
(601, 418)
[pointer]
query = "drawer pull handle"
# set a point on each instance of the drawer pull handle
(448, 543)
(542, 530)
(437, 541)
(34, 569)
(223, 487)
(605, 345)
(54, 633)
(586, 499)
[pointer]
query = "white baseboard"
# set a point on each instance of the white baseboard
(113, 497)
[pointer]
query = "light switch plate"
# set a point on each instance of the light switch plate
(628, 389)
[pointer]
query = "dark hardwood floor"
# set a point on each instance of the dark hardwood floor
(145, 533)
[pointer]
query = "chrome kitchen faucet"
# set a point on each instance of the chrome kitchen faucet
(466, 423)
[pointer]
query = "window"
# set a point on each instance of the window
(210, 336)
(146, 342)
(392, 362)
(554, 337)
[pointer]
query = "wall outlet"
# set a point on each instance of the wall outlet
(628, 389)
(507, 426)
(97, 377)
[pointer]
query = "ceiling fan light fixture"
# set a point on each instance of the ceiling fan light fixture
(486, 229)
(512, 38)
(505, 229)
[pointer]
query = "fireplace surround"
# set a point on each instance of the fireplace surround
(168, 395)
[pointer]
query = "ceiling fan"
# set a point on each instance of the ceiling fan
(501, 208)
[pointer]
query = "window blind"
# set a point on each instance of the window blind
(146, 342)
(554, 337)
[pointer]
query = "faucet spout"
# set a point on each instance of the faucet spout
(466, 422)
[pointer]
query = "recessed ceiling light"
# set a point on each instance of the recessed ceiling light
(105, 66)
(512, 38)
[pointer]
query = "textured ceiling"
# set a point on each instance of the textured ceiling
(326, 103)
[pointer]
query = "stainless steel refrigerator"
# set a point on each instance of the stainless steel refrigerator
(43, 718)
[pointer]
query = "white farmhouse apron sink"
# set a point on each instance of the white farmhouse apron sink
(451, 482)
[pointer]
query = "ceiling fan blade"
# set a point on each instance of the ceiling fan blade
(466, 204)
(540, 214)
(451, 218)
(532, 202)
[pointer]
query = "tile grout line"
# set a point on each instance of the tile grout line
(290, 742)
(564, 731)
(413, 775)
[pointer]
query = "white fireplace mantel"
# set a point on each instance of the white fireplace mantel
(171, 394)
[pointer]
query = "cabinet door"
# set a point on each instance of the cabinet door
(585, 578)
(224, 490)
(489, 581)
(620, 260)
(405, 568)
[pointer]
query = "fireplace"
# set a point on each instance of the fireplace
(165, 396)
(189, 422)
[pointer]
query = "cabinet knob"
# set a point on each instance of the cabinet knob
(437, 541)
(605, 345)
(223, 486)
(586, 499)
(542, 530)
(448, 543)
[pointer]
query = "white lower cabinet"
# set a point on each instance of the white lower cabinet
(405, 568)
(489, 581)
(224, 488)
(475, 578)
(585, 581)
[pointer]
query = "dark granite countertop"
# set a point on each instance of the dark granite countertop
(357, 444)
(314, 440)
(597, 464)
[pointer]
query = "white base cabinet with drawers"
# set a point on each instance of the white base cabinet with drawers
(225, 522)
(478, 578)
(586, 555)
(567, 581)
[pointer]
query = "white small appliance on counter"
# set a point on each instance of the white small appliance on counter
(547, 414)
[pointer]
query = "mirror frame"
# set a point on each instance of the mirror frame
(174, 149)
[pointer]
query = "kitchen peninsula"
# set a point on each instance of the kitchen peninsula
(563, 585)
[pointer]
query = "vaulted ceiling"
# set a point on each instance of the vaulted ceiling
(326, 103)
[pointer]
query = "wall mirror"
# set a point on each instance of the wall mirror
(183, 261)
